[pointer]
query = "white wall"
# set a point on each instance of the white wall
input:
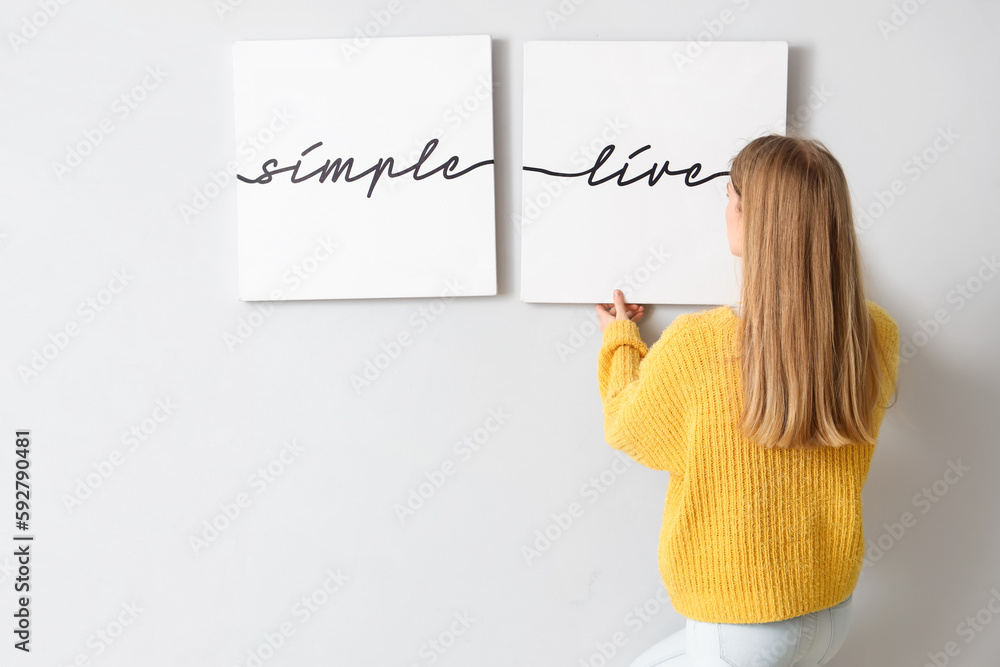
(163, 336)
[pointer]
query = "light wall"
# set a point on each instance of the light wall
(234, 381)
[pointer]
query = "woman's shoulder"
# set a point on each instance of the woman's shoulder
(711, 317)
(706, 317)
(885, 326)
(879, 312)
(709, 321)
(700, 325)
(886, 340)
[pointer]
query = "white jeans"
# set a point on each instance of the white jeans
(804, 641)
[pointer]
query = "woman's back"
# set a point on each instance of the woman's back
(750, 534)
(766, 419)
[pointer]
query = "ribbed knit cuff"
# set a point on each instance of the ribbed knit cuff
(623, 332)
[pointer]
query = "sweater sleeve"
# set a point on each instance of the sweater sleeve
(887, 335)
(644, 393)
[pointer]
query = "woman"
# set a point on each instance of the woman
(766, 419)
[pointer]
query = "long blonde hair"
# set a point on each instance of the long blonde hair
(807, 343)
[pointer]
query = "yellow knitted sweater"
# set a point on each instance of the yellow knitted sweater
(750, 534)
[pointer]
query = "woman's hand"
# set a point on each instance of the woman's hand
(619, 310)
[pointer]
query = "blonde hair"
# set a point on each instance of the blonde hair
(807, 343)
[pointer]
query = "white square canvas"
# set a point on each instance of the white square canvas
(590, 109)
(377, 179)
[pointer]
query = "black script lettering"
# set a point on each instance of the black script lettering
(334, 169)
(651, 175)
